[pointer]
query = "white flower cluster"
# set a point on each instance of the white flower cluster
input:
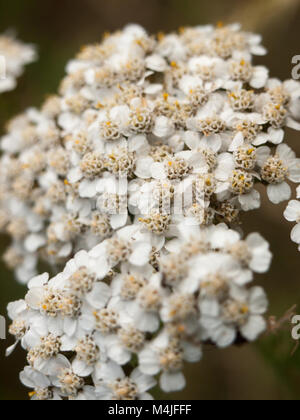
(134, 177)
(14, 56)
(129, 307)
(146, 130)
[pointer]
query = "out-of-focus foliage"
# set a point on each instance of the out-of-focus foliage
(283, 356)
(59, 28)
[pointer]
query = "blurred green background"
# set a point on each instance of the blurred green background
(265, 370)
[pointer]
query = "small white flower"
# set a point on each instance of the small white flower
(163, 354)
(279, 168)
(241, 313)
(114, 385)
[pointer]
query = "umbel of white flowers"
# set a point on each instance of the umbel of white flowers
(122, 306)
(14, 55)
(132, 182)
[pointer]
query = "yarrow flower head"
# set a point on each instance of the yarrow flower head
(135, 178)
(111, 306)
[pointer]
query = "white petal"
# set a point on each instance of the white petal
(75, 175)
(158, 171)
(236, 142)
(294, 171)
(88, 189)
(254, 327)
(32, 379)
(261, 255)
(250, 201)
(145, 396)
(261, 261)
(34, 242)
(81, 369)
(221, 237)
(262, 138)
(260, 77)
(276, 135)
(153, 89)
(258, 50)
(31, 339)
(15, 309)
(104, 393)
(279, 192)
(262, 155)
(293, 124)
(148, 322)
(67, 343)
(244, 277)
(163, 127)
(295, 235)
(224, 336)
(99, 296)
(118, 354)
(209, 307)
(292, 212)
(70, 326)
(118, 220)
(192, 139)
(110, 371)
(225, 166)
(100, 267)
(143, 167)
(139, 144)
(148, 362)
(34, 297)
(172, 382)
(57, 364)
(156, 63)
(144, 382)
(192, 352)
(11, 349)
(40, 326)
(55, 326)
(141, 254)
(38, 281)
(285, 152)
(81, 259)
(258, 301)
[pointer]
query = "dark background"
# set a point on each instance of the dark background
(59, 28)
